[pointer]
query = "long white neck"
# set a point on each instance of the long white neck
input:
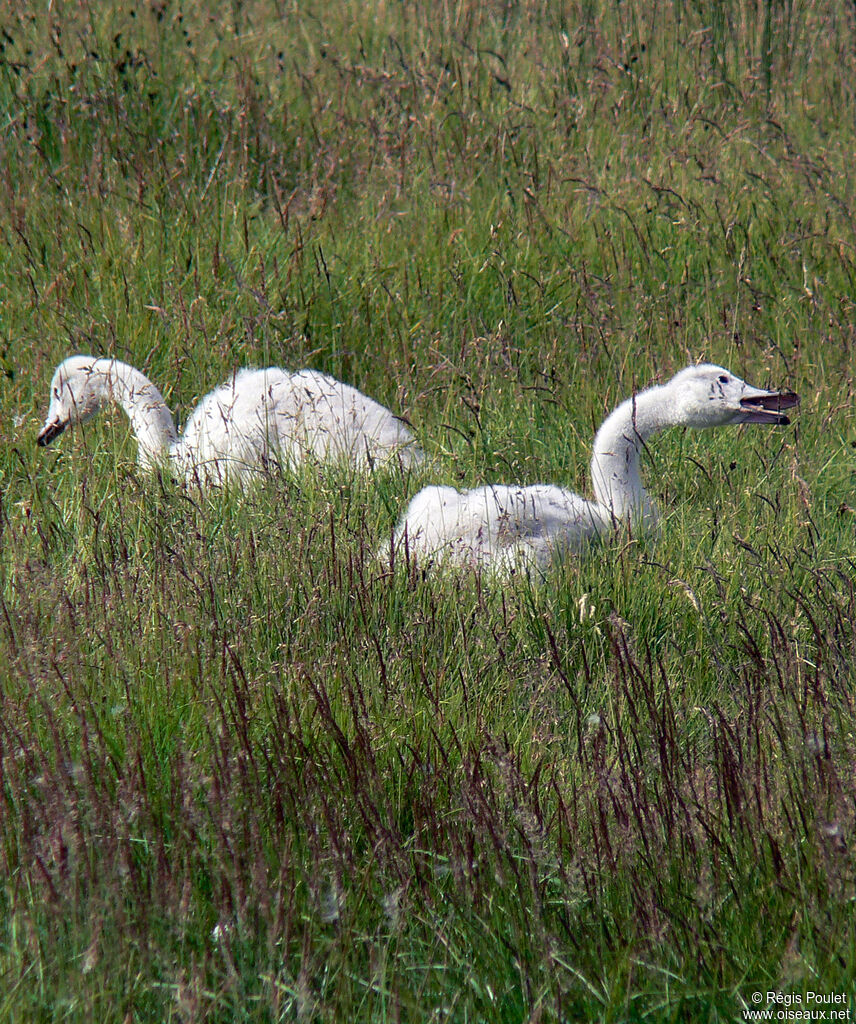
(617, 445)
(150, 418)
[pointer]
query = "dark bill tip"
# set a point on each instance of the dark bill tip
(49, 433)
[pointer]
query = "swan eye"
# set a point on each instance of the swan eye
(723, 379)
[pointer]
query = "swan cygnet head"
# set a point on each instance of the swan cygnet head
(82, 384)
(711, 396)
(76, 396)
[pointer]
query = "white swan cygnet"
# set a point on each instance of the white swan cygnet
(257, 419)
(511, 526)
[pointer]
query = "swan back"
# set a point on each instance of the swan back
(341, 424)
(499, 525)
(261, 418)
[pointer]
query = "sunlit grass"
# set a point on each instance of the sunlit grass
(251, 774)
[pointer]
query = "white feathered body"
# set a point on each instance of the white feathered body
(261, 418)
(256, 420)
(501, 525)
(505, 526)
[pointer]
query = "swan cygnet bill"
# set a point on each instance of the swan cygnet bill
(507, 526)
(258, 418)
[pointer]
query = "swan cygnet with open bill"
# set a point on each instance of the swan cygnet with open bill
(504, 527)
(257, 419)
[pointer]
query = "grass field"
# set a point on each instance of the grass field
(248, 774)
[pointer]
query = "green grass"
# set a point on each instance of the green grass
(246, 774)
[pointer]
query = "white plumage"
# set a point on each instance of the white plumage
(256, 419)
(512, 526)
